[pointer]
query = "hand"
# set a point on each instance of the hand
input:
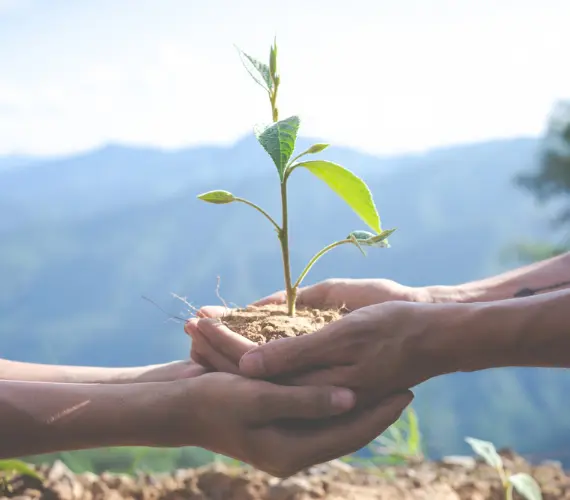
(376, 350)
(349, 294)
(277, 429)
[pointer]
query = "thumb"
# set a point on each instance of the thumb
(284, 402)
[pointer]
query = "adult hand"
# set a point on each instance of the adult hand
(376, 350)
(280, 430)
(349, 294)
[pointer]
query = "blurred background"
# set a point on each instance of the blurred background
(115, 115)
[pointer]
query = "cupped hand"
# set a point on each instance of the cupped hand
(277, 429)
(221, 349)
(376, 350)
(349, 294)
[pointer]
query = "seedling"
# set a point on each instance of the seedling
(10, 469)
(400, 444)
(278, 140)
(524, 484)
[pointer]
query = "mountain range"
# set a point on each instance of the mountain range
(84, 237)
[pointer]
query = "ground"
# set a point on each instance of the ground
(459, 478)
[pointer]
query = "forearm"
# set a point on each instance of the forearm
(531, 332)
(40, 417)
(16, 370)
(538, 278)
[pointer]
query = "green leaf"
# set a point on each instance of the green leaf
(253, 65)
(526, 486)
(349, 187)
(279, 140)
(486, 450)
(273, 59)
(372, 240)
(316, 148)
(218, 197)
(414, 435)
(19, 467)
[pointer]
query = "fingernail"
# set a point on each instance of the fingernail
(251, 364)
(342, 399)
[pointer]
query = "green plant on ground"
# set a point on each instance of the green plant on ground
(523, 483)
(11, 468)
(278, 140)
(400, 444)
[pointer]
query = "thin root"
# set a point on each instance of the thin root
(170, 316)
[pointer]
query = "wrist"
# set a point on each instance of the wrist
(443, 294)
(467, 337)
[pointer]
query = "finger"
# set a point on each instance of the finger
(275, 298)
(231, 344)
(213, 312)
(289, 355)
(211, 356)
(349, 433)
(281, 298)
(276, 402)
(190, 326)
(199, 359)
(339, 376)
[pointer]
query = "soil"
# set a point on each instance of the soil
(455, 478)
(266, 323)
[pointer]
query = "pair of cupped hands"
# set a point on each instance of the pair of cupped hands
(309, 399)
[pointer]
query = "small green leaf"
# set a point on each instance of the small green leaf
(316, 148)
(526, 486)
(19, 467)
(273, 60)
(349, 187)
(486, 450)
(414, 434)
(218, 197)
(279, 140)
(372, 240)
(252, 65)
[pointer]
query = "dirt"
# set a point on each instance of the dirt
(266, 323)
(455, 478)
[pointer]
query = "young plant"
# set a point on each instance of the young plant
(524, 484)
(400, 444)
(11, 468)
(278, 140)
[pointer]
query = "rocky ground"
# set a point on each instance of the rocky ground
(451, 479)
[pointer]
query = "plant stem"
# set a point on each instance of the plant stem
(316, 257)
(261, 211)
(284, 239)
(509, 492)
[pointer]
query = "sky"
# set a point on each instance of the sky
(380, 76)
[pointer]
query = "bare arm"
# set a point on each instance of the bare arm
(42, 417)
(531, 331)
(32, 372)
(540, 277)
